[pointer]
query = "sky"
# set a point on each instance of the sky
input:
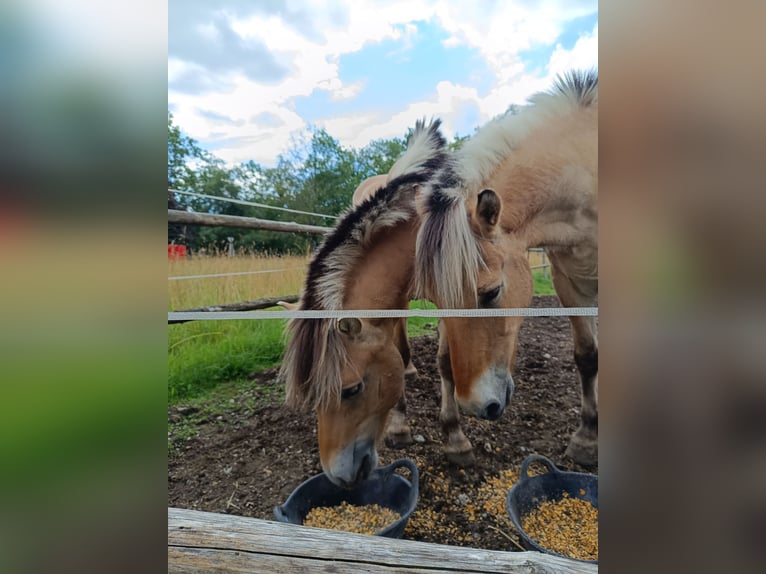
(246, 78)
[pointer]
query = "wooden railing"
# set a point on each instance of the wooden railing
(207, 542)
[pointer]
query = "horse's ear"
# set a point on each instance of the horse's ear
(488, 208)
(362, 332)
(349, 326)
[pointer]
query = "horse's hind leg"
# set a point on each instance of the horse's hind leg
(398, 433)
(583, 446)
(458, 449)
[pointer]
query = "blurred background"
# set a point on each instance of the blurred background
(82, 294)
(82, 231)
(682, 330)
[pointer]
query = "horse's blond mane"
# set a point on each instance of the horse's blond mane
(446, 244)
(314, 352)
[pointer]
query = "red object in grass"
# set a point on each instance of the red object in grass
(176, 251)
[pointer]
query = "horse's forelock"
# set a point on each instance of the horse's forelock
(312, 363)
(447, 253)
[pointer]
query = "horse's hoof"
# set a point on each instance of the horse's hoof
(584, 454)
(410, 372)
(462, 459)
(399, 440)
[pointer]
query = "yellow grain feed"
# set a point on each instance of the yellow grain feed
(367, 519)
(568, 526)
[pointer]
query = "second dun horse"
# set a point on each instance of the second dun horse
(525, 180)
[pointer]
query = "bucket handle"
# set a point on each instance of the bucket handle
(523, 475)
(279, 514)
(387, 471)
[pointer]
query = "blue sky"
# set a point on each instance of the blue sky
(246, 78)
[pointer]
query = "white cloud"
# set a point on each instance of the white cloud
(339, 91)
(498, 31)
(450, 99)
(584, 54)
(510, 27)
(359, 129)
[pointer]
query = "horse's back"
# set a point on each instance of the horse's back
(368, 187)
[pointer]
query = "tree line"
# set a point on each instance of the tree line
(316, 175)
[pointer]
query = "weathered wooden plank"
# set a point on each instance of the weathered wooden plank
(212, 220)
(204, 541)
(204, 560)
(240, 306)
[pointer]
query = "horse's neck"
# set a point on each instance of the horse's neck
(559, 213)
(563, 213)
(549, 184)
(383, 276)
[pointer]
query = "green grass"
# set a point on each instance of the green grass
(543, 286)
(417, 326)
(204, 354)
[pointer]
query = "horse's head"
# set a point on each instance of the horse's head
(351, 370)
(372, 381)
(482, 350)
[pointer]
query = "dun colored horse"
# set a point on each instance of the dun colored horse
(525, 180)
(352, 371)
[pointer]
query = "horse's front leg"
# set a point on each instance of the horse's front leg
(398, 433)
(458, 449)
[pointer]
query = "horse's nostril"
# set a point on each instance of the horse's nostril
(493, 410)
(364, 469)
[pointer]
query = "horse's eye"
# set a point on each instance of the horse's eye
(487, 298)
(350, 392)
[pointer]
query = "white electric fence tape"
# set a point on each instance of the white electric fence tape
(383, 313)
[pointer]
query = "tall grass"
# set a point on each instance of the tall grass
(287, 279)
(203, 354)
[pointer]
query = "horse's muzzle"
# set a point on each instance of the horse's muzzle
(353, 464)
(495, 407)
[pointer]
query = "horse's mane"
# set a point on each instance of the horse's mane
(314, 354)
(445, 241)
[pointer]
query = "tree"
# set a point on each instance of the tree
(181, 151)
(377, 157)
(327, 176)
(458, 142)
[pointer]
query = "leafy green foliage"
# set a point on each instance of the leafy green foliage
(317, 175)
(182, 151)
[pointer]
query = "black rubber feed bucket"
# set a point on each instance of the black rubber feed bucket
(384, 487)
(530, 491)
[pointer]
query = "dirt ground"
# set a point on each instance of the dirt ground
(247, 461)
